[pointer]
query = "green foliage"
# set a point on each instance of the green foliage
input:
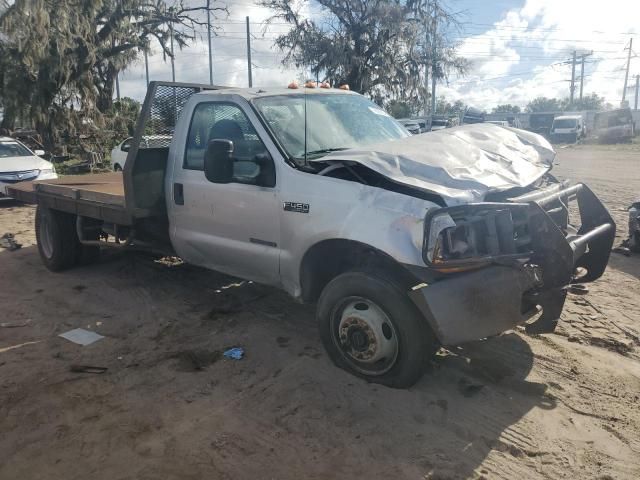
(59, 58)
(444, 107)
(377, 48)
(544, 104)
(399, 109)
(506, 108)
(588, 102)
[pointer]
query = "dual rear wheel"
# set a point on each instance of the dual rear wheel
(58, 242)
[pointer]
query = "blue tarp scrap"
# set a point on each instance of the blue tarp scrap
(234, 353)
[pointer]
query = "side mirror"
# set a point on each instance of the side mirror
(125, 147)
(218, 161)
(39, 153)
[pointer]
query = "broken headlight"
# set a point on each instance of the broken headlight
(471, 236)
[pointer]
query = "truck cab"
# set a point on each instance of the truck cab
(567, 128)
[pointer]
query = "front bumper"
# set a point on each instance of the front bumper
(15, 178)
(485, 302)
(565, 137)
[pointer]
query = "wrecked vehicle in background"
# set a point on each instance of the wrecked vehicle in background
(634, 226)
(405, 243)
(614, 126)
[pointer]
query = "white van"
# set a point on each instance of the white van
(567, 128)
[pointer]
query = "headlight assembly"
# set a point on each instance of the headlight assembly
(471, 236)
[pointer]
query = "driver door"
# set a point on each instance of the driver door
(233, 227)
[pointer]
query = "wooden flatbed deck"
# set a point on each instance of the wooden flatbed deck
(99, 195)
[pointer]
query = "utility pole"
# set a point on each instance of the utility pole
(426, 65)
(434, 61)
(637, 84)
(209, 38)
(249, 54)
(173, 65)
(626, 74)
(146, 66)
(583, 56)
(573, 78)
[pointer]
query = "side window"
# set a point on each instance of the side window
(126, 145)
(226, 121)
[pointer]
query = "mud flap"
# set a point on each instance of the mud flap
(474, 305)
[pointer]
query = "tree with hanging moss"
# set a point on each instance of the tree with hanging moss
(379, 48)
(60, 58)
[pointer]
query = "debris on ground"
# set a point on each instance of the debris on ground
(8, 241)
(578, 289)
(235, 353)
(622, 250)
(14, 325)
(87, 369)
(81, 336)
(13, 347)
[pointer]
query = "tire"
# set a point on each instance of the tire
(57, 239)
(346, 329)
(117, 168)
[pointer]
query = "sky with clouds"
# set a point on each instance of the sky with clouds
(518, 50)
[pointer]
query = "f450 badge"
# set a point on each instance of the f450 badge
(296, 207)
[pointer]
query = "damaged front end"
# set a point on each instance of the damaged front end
(503, 264)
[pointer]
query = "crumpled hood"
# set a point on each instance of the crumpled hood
(461, 164)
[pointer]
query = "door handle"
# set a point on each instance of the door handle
(178, 193)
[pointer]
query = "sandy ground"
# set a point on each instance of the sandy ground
(563, 405)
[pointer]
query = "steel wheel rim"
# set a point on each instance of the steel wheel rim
(365, 335)
(46, 237)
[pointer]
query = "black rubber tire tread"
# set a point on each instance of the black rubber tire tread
(417, 343)
(64, 239)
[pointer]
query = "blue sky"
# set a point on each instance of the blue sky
(517, 49)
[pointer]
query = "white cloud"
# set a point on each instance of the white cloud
(521, 56)
(230, 66)
(514, 60)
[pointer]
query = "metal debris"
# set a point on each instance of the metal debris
(8, 241)
(81, 336)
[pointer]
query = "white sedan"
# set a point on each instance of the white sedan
(120, 151)
(19, 164)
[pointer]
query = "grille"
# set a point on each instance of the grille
(15, 177)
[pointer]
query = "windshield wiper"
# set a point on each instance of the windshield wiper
(323, 151)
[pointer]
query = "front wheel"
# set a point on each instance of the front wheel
(370, 328)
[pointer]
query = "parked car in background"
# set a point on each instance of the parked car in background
(634, 226)
(541, 123)
(614, 126)
(120, 152)
(412, 125)
(439, 122)
(472, 115)
(501, 123)
(19, 164)
(568, 128)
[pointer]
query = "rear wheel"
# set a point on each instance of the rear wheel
(57, 239)
(370, 327)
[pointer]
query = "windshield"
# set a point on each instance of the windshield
(336, 122)
(564, 123)
(13, 149)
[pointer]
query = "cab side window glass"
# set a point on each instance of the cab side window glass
(225, 122)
